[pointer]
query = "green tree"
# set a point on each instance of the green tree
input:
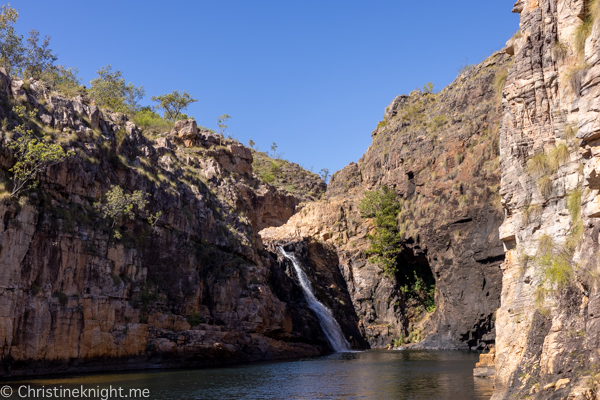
(428, 88)
(63, 80)
(12, 52)
(386, 243)
(222, 123)
(173, 103)
(153, 219)
(110, 91)
(30, 60)
(150, 121)
(33, 156)
(119, 205)
(251, 143)
(325, 174)
(132, 97)
(38, 58)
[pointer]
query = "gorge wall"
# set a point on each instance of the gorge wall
(439, 153)
(497, 180)
(196, 288)
(547, 329)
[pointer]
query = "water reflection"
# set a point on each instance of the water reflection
(375, 374)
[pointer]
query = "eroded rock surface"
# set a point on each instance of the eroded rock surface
(546, 329)
(197, 288)
(439, 152)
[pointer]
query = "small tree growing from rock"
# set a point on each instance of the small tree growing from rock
(222, 123)
(119, 205)
(386, 242)
(428, 88)
(33, 155)
(63, 80)
(324, 174)
(173, 103)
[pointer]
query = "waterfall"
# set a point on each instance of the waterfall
(330, 327)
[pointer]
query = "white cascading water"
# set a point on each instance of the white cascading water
(331, 328)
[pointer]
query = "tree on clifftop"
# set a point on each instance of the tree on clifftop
(30, 60)
(109, 90)
(11, 44)
(39, 58)
(173, 103)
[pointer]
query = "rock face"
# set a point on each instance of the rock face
(546, 328)
(498, 177)
(439, 154)
(316, 259)
(197, 288)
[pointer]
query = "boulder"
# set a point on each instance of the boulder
(187, 129)
(16, 88)
(186, 133)
(210, 139)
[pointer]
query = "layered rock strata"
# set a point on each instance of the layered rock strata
(439, 153)
(196, 288)
(546, 328)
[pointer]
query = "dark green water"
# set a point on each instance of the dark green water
(376, 374)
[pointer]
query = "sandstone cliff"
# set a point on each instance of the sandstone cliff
(546, 326)
(497, 177)
(197, 288)
(439, 152)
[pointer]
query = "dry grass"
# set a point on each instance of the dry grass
(595, 9)
(574, 207)
(500, 81)
(4, 192)
(581, 34)
(559, 156)
(570, 132)
(560, 51)
(545, 185)
(583, 31)
(538, 165)
(542, 164)
(575, 76)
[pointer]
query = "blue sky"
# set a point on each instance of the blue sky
(314, 76)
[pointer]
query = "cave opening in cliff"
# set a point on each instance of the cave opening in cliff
(414, 277)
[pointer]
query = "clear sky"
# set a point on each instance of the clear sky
(314, 76)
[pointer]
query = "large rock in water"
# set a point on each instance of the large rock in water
(439, 153)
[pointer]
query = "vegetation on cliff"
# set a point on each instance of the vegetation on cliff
(386, 242)
(386, 246)
(145, 222)
(438, 156)
(33, 156)
(288, 176)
